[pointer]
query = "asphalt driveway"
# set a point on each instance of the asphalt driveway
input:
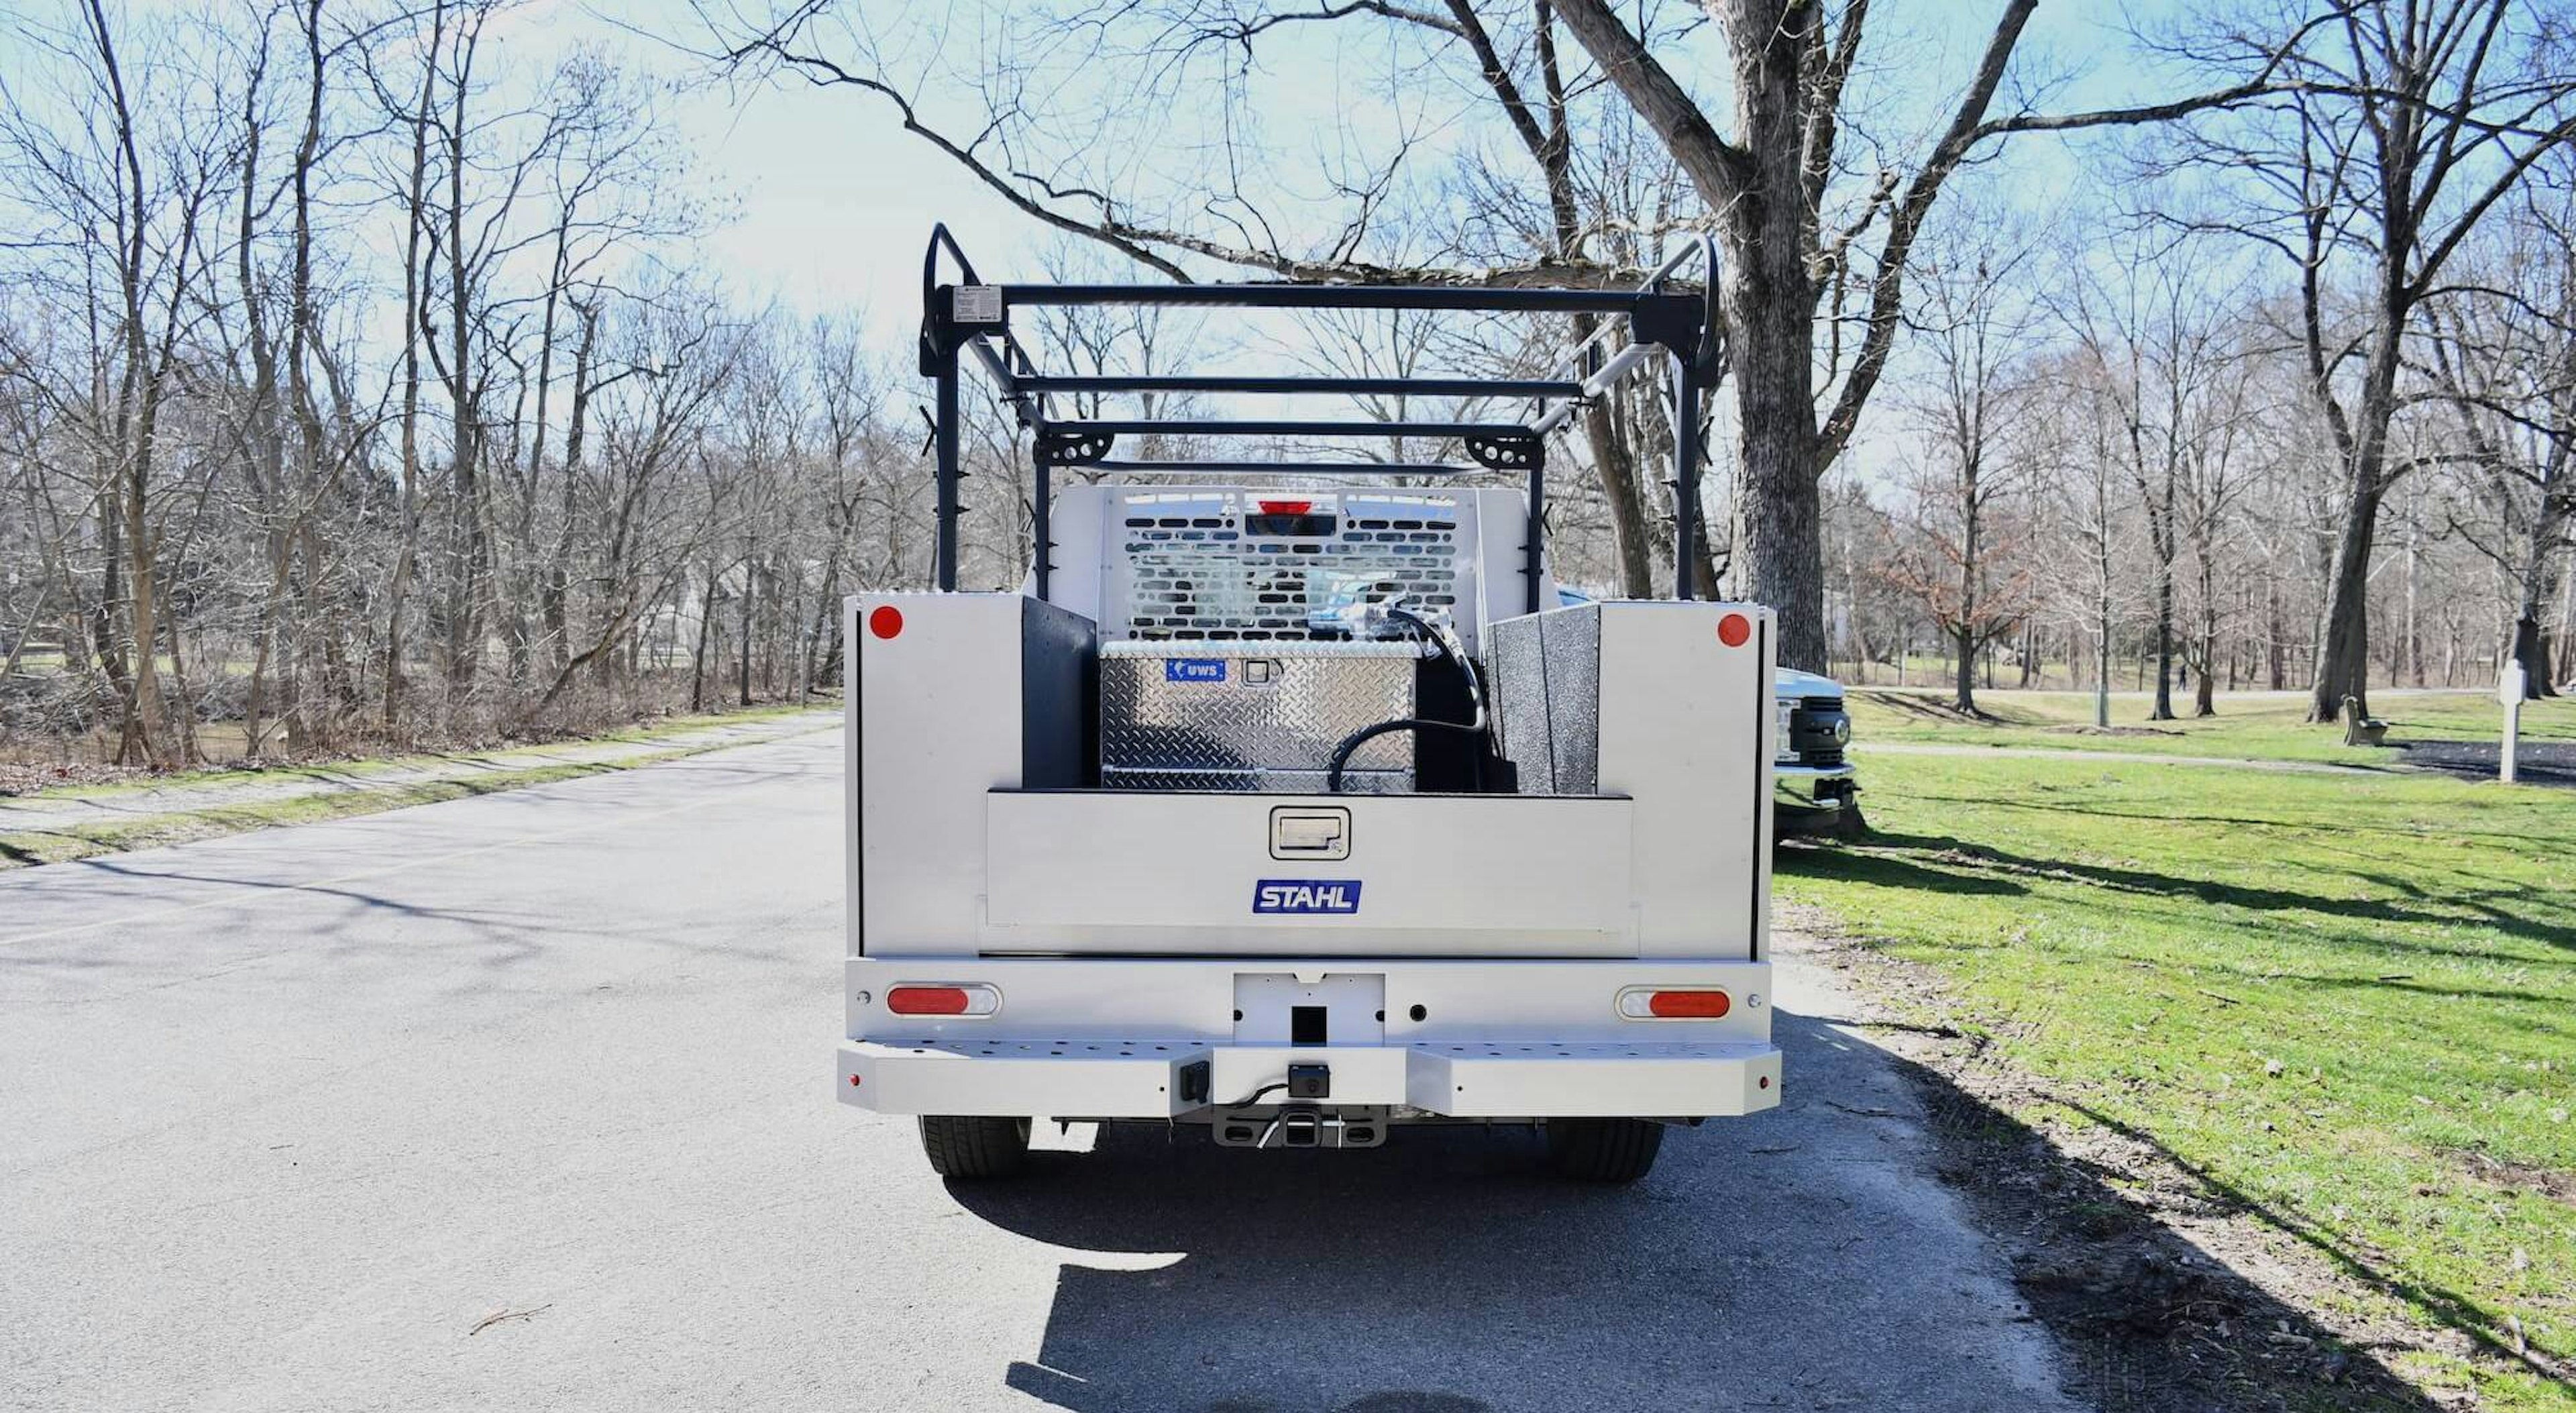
(524, 1101)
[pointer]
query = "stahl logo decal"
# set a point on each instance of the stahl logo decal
(1194, 669)
(1306, 895)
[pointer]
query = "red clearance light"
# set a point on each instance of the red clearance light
(1733, 629)
(927, 1000)
(1286, 507)
(886, 621)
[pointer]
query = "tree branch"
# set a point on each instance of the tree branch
(1717, 167)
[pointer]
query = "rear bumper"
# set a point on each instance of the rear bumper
(1145, 1080)
(1812, 779)
(1131, 1038)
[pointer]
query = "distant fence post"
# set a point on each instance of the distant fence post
(2510, 685)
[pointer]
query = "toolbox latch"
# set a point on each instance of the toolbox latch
(1310, 832)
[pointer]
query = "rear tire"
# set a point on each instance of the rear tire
(1603, 1150)
(975, 1148)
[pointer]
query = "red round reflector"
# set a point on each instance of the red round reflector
(886, 621)
(1688, 1005)
(927, 1001)
(1733, 629)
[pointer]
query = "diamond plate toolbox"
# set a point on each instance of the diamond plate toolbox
(1228, 715)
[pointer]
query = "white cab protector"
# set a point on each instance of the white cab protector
(1125, 549)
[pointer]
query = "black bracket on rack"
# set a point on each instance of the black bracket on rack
(1061, 447)
(1508, 451)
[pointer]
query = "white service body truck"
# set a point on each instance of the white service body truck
(1279, 812)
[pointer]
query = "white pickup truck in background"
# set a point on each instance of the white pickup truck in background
(1819, 791)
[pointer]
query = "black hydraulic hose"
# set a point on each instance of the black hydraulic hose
(1446, 643)
(1351, 743)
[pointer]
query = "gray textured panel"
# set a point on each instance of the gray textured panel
(1547, 698)
(1571, 645)
(1518, 670)
(1194, 710)
(1055, 696)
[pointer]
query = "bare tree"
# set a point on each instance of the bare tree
(2403, 126)
(2502, 350)
(1956, 549)
(2156, 332)
(219, 498)
(1761, 183)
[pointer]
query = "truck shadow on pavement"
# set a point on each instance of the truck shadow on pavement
(1804, 1259)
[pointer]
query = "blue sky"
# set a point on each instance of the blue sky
(835, 201)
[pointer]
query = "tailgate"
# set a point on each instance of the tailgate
(1089, 871)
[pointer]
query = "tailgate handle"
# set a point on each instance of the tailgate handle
(1310, 832)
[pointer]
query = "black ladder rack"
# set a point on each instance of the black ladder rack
(967, 313)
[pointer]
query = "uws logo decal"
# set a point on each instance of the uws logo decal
(1306, 895)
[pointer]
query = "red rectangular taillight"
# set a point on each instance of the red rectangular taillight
(949, 1000)
(1674, 1003)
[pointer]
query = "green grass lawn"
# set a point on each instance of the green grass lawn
(2349, 1000)
(2258, 726)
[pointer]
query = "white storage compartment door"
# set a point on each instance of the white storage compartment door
(1217, 874)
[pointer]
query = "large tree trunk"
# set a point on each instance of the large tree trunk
(2567, 625)
(2163, 709)
(2530, 644)
(557, 590)
(2204, 700)
(1758, 185)
(2343, 659)
(472, 563)
(415, 295)
(1770, 312)
(2276, 664)
(1614, 465)
(742, 674)
(2528, 651)
(2102, 672)
(145, 721)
